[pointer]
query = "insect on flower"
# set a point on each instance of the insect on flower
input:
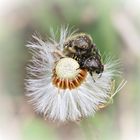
(81, 48)
(60, 77)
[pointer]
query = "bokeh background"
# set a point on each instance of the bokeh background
(115, 28)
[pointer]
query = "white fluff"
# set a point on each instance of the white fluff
(58, 104)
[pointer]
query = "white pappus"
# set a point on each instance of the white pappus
(58, 90)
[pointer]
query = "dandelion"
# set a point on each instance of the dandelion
(59, 88)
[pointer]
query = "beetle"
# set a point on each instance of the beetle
(81, 48)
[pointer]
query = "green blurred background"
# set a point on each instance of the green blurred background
(115, 28)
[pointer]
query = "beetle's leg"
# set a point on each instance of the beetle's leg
(59, 53)
(92, 76)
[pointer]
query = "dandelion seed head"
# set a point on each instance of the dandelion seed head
(59, 88)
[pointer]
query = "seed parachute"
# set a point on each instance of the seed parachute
(67, 78)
